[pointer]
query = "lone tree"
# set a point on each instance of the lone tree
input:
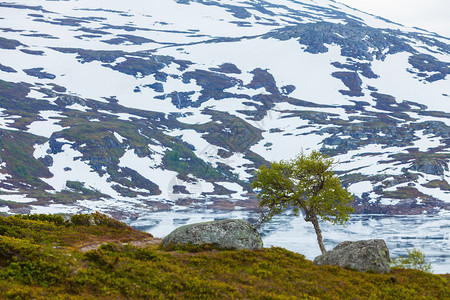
(305, 183)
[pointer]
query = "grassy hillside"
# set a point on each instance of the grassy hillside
(44, 257)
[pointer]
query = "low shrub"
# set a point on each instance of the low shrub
(31, 263)
(81, 220)
(189, 247)
(56, 219)
(414, 260)
(41, 261)
(97, 219)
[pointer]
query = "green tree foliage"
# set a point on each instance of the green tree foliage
(305, 183)
(414, 260)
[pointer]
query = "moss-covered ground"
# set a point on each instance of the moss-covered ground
(48, 257)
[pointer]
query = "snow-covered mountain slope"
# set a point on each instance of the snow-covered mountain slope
(137, 105)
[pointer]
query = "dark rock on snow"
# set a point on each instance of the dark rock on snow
(39, 73)
(227, 234)
(360, 255)
(430, 166)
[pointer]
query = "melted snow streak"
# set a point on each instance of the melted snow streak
(307, 74)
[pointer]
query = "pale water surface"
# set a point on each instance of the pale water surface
(430, 234)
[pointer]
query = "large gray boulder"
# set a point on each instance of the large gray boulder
(227, 234)
(360, 255)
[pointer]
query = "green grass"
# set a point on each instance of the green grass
(17, 152)
(40, 259)
(184, 161)
(406, 192)
(441, 184)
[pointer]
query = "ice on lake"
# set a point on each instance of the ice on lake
(430, 234)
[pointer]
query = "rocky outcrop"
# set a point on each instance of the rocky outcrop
(430, 165)
(360, 255)
(39, 73)
(55, 146)
(352, 81)
(226, 234)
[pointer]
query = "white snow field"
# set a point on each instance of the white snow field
(430, 15)
(181, 30)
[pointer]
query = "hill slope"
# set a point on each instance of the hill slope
(43, 257)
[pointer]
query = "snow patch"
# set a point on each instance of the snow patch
(360, 187)
(17, 198)
(68, 166)
(119, 137)
(48, 126)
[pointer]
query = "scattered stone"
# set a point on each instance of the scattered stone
(352, 81)
(39, 73)
(429, 165)
(9, 44)
(227, 68)
(7, 69)
(287, 89)
(179, 189)
(226, 234)
(56, 146)
(32, 52)
(47, 160)
(360, 255)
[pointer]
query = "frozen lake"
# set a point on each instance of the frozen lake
(430, 234)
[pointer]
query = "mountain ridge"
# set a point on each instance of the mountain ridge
(138, 111)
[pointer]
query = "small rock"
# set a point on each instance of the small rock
(227, 234)
(360, 255)
(429, 166)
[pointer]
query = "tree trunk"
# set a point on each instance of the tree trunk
(318, 233)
